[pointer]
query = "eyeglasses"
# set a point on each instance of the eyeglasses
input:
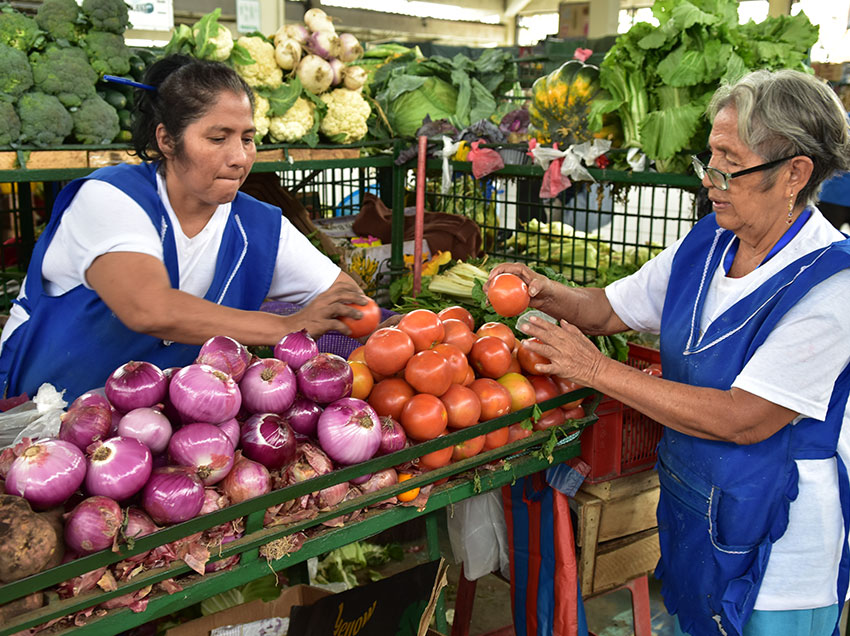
(720, 179)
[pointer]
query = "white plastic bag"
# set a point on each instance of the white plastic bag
(479, 535)
(38, 418)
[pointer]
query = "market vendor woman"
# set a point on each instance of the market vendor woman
(146, 262)
(752, 308)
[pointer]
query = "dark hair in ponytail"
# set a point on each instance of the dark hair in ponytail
(186, 88)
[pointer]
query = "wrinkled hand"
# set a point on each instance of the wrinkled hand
(540, 288)
(572, 355)
(323, 313)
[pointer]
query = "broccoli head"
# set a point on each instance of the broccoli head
(107, 15)
(95, 122)
(60, 19)
(107, 53)
(17, 30)
(44, 120)
(10, 124)
(64, 72)
(15, 73)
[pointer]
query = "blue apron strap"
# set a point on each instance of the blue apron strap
(844, 563)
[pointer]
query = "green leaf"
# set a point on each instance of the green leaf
(482, 103)
(204, 31)
(536, 413)
(664, 133)
(685, 15)
(240, 55)
(464, 95)
(283, 97)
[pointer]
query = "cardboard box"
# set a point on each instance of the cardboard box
(421, 585)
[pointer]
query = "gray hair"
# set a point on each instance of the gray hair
(787, 112)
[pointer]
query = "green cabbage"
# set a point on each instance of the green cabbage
(434, 97)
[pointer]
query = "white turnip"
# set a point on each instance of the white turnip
(315, 74)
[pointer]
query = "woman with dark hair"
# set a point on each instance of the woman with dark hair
(751, 306)
(146, 262)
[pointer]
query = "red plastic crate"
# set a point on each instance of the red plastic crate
(622, 441)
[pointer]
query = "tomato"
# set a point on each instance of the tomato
(522, 393)
(567, 386)
(363, 380)
(470, 377)
(455, 359)
(497, 438)
(490, 357)
(388, 350)
(462, 405)
(518, 431)
(514, 367)
(495, 399)
(358, 355)
(528, 358)
(544, 389)
(407, 495)
(574, 413)
(437, 458)
(456, 312)
(467, 448)
(500, 330)
(424, 417)
(508, 294)
(389, 396)
(423, 327)
(555, 417)
(428, 372)
(458, 334)
(367, 323)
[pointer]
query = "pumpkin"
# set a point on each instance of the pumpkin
(560, 104)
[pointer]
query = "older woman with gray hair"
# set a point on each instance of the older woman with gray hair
(752, 308)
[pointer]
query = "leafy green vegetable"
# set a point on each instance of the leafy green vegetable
(660, 79)
(345, 563)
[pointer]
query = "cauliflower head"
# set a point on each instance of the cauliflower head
(64, 72)
(261, 117)
(220, 46)
(107, 53)
(107, 15)
(60, 19)
(294, 124)
(44, 120)
(264, 72)
(10, 124)
(15, 73)
(345, 121)
(95, 121)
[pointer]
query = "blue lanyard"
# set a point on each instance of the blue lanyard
(789, 234)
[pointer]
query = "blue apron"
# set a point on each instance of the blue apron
(74, 341)
(723, 505)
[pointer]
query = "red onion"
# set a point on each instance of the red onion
(97, 397)
(205, 448)
(46, 473)
(213, 500)
(118, 468)
(201, 393)
(139, 524)
(149, 426)
(85, 424)
(332, 495)
(392, 436)
(173, 494)
(267, 438)
(349, 431)
(135, 384)
(303, 416)
(325, 378)
(245, 480)
(225, 354)
(268, 386)
(93, 525)
(231, 428)
(360, 480)
(381, 479)
(296, 348)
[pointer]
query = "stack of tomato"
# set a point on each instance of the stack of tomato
(439, 372)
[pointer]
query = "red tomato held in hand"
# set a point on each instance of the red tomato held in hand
(423, 327)
(388, 350)
(456, 312)
(508, 294)
(367, 323)
(424, 417)
(462, 405)
(428, 372)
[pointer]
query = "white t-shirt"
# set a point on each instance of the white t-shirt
(103, 219)
(796, 367)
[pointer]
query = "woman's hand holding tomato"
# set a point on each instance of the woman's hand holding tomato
(540, 289)
(572, 355)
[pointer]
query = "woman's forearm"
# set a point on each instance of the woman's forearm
(585, 307)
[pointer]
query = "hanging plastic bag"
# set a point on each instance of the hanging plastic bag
(484, 160)
(479, 536)
(551, 160)
(449, 149)
(37, 419)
